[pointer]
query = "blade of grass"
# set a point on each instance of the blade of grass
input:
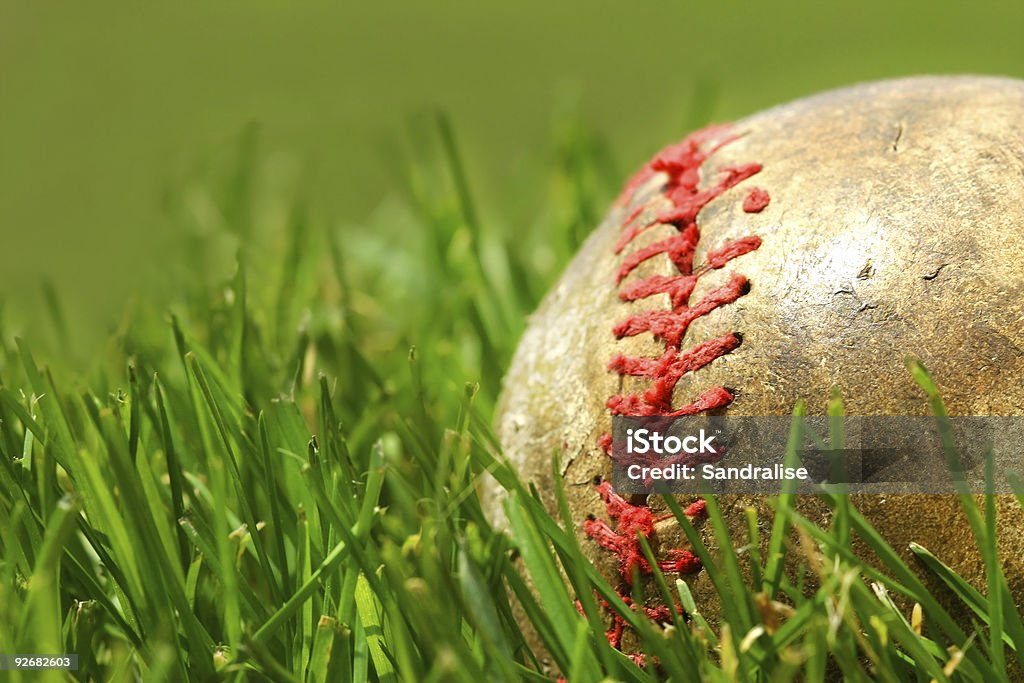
(775, 560)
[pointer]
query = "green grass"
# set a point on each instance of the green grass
(276, 479)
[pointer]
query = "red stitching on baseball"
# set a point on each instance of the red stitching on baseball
(632, 521)
(659, 614)
(681, 163)
(756, 201)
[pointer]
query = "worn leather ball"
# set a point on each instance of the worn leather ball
(810, 246)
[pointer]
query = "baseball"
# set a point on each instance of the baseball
(810, 246)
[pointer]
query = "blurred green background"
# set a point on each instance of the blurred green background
(107, 107)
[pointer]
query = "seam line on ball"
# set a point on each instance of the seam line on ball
(681, 164)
